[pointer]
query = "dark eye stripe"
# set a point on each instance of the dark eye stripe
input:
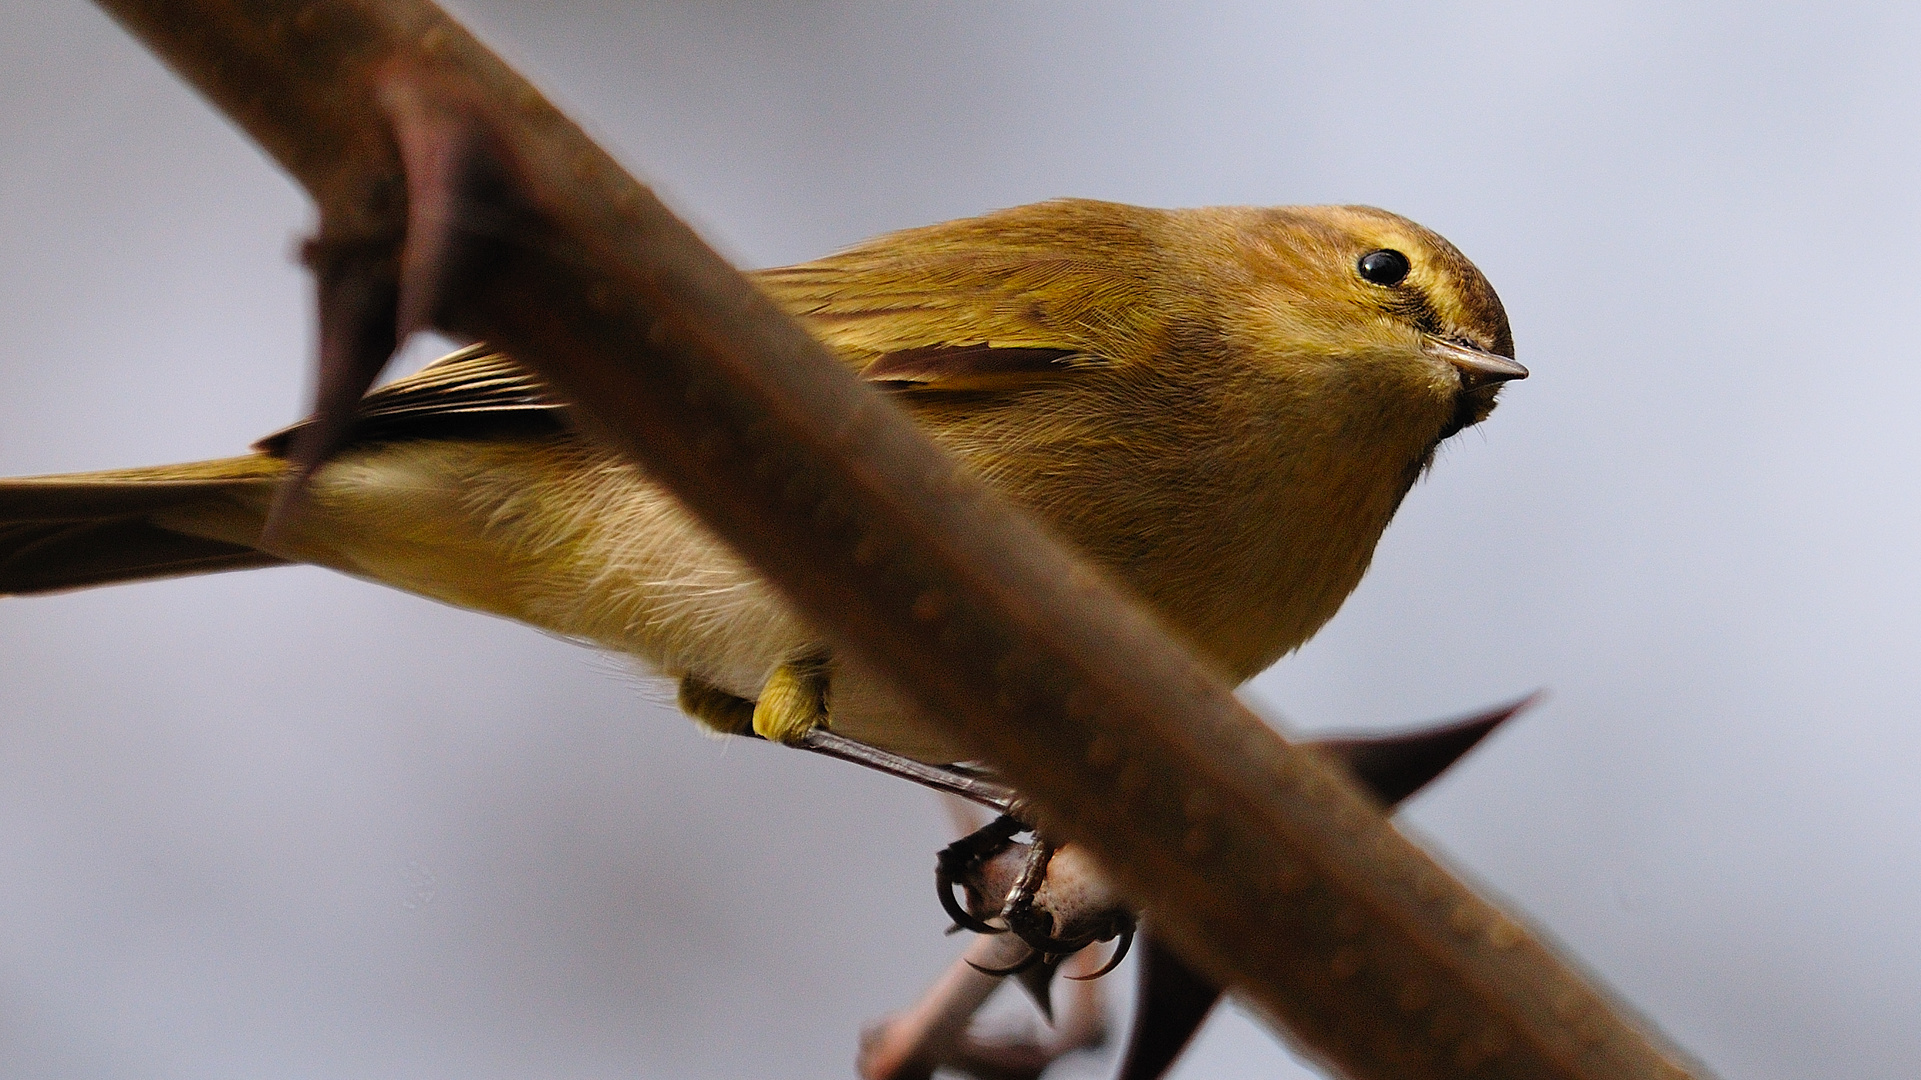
(1414, 306)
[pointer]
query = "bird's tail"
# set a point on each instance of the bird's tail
(69, 532)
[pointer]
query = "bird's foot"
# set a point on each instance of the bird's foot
(1051, 898)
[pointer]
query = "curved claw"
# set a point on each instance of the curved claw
(1120, 954)
(1031, 959)
(958, 861)
(944, 889)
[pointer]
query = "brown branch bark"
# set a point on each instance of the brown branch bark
(1259, 862)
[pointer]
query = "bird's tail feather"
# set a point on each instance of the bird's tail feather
(70, 532)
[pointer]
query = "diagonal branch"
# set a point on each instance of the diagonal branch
(1262, 864)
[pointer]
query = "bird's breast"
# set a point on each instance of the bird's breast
(1244, 532)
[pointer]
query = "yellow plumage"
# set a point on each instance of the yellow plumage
(1220, 406)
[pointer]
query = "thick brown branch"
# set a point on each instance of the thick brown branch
(1260, 862)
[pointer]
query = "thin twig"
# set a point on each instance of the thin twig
(911, 1045)
(935, 1032)
(1080, 1024)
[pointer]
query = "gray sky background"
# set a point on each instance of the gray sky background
(285, 824)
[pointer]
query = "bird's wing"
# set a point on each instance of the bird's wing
(982, 304)
(462, 393)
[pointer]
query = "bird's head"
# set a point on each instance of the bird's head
(1371, 306)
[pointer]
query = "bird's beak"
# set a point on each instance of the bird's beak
(1478, 367)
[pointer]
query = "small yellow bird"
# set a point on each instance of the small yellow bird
(1221, 406)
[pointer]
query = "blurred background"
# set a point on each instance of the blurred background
(286, 824)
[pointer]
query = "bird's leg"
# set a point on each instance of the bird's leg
(970, 783)
(731, 714)
(1002, 885)
(793, 701)
(982, 865)
(1017, 911)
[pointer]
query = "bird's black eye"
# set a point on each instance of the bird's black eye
(1384, 267)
